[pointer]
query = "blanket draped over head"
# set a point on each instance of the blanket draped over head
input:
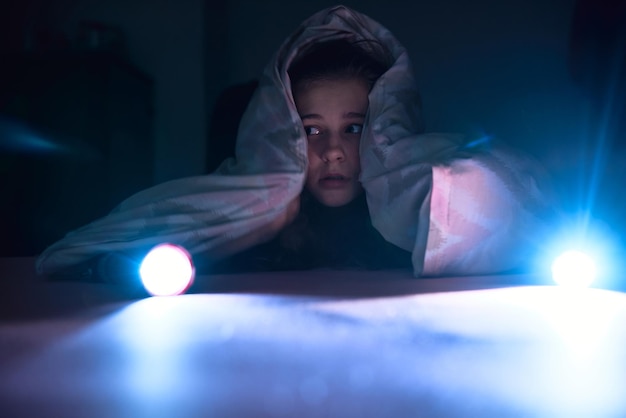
(458, 209)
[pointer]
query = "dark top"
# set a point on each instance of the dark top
(322, 237)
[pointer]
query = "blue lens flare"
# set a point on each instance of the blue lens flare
(582, 253)
(19, 137)
(167, 270)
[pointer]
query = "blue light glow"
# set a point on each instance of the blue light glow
(581, 254)
(574, 268)
(167, 270)
(19, 137)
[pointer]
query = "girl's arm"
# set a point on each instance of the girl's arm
(213, 216)
(459, 210)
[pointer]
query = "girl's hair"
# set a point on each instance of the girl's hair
(340, 59)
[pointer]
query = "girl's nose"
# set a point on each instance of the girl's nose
(333, 151)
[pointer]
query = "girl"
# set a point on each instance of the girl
(330, 86)
(331, 169)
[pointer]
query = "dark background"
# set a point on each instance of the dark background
(130, 86)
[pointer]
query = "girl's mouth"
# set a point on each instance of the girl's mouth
(333, 181)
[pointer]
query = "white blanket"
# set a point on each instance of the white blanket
(459, 209)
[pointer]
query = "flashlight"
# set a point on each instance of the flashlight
(164, 270)
(167, 270)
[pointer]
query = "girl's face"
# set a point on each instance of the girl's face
(333, 112)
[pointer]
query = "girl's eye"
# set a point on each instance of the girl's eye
(354, 128)
(311, 130)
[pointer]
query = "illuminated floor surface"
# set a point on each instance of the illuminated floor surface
(457, 347)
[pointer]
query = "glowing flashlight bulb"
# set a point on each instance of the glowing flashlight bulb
(574, 268)
(167, 270)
